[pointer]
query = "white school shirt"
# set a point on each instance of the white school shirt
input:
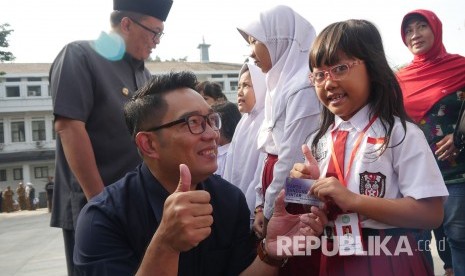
(289, 133)
(406, 170)
(291, 106)
(221, 158)
(245, 161)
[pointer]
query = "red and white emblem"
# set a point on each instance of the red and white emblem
(372, 184)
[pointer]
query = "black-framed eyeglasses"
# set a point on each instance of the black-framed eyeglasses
(156, 35)
(337, 72)
(196, 123)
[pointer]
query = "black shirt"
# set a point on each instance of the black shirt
(116, 226)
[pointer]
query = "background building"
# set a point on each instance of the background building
(27, 137)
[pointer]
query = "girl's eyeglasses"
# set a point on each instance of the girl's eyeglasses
(337, 72)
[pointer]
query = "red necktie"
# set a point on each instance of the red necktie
(339, 150)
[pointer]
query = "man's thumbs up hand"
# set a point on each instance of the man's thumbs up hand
(184, 179)
(187, 215)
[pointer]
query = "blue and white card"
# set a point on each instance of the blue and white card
(297, 192)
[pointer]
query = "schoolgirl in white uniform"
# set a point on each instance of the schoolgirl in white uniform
(382, 181)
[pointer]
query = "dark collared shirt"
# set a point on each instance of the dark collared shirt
(115, 228)
(87, 87)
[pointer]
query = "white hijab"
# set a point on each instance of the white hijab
(288, 37)
(244, 160)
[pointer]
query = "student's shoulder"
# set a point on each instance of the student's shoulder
(297, 85)
(411, 132)
(409, 126)
(303, 91)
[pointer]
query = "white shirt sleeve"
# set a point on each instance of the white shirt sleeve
(291, 132)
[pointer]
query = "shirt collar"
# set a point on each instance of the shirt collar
(358, 121)
(156, 193)
(135, 63)
(223, 149)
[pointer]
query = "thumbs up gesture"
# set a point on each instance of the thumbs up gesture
(187, 215)
(184, 179)
(309, 169)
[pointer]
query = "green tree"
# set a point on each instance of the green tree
(4, 55)
(4, 32)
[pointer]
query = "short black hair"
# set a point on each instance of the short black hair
(148, 104)
(211, 89)
(230, 117)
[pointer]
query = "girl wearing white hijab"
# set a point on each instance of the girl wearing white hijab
(244, 161)
(280, 40)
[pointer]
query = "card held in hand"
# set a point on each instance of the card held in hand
(297, 192)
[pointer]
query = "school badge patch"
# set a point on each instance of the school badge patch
(321, 150)
(372, 184)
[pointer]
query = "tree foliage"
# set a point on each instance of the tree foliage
(5, 31)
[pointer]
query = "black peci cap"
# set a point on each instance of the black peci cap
(156, 8)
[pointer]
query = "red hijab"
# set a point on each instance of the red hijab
(430, 76)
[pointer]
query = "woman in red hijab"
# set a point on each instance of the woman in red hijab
(433, 86)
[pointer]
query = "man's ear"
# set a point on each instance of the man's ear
(147, 145)
(124, 24)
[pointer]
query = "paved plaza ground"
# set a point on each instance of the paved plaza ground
(29, 247)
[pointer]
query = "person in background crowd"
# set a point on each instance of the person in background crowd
(30, 196)
(211, 92)
(187, 221)
(280, 40)
(363, 152)
(1, 201)
(90, 81)
(8, 199)
(49, 190)
(244, 162)
(21, 192)
(230, 117)
(432, 85)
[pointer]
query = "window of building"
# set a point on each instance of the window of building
(41, 172)
(12, 91)
(2, 175)
(17, 132)
(34, 79)
(54, 134)
(13, 79)
(38, 130)
(233, 85)
(2, 134)
(233, 76)
(18, 174)
(217, 76)
(33, 90)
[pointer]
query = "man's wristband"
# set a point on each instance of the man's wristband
(263, 255)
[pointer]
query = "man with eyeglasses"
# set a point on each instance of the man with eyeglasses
(90, 81)
(172, 215)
